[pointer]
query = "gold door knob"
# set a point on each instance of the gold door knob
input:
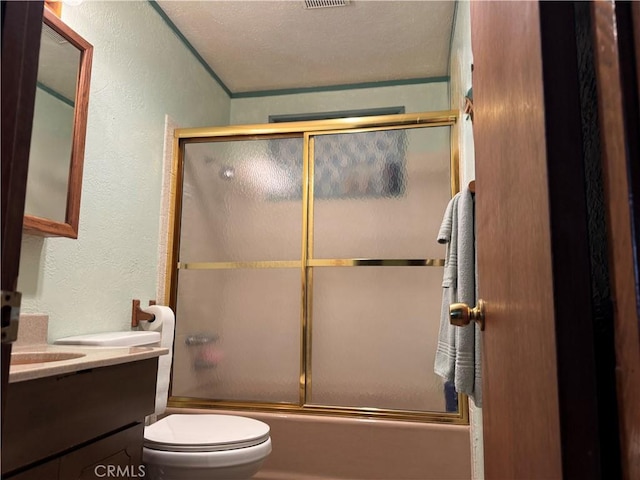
(460, 314)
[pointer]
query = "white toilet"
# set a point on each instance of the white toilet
(193, 447)
(190, 447)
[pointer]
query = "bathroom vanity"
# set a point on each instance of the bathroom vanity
(74, 416)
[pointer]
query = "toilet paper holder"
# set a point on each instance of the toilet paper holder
(137, 315)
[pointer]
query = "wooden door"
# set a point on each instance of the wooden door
(520, 395)
(21, 29)
(617, 36)
(546, 379)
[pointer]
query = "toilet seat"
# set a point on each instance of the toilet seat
(204, 433)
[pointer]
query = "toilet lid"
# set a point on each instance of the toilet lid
(204, 433)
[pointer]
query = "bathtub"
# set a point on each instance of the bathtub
(314, 447)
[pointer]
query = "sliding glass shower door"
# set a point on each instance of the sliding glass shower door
(375, 268)
(238, 307)
(306, 274)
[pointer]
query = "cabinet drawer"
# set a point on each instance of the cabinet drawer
(46, 471)
(47, 416)
(119, 455)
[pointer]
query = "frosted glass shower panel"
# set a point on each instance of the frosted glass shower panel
(381, 194)
(238, 335)
(375, 331)
(233, 207)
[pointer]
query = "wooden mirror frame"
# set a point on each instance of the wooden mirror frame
(69, 228)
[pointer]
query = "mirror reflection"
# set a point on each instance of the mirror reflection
(59, 126)
(50, 155)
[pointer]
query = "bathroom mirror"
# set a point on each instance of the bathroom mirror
(52, 206)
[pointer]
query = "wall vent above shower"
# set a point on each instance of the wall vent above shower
(325, 3)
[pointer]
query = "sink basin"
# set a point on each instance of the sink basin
(24, 358)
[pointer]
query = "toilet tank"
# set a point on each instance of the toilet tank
(113, 339)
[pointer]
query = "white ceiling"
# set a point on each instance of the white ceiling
(254, 45)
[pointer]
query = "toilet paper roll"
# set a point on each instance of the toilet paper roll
(165, 322)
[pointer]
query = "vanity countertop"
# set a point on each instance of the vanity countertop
(94, 357)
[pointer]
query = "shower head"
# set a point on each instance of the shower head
(227, 172)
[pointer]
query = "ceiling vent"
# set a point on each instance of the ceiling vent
(325, 3)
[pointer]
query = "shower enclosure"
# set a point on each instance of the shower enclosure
(304, 270)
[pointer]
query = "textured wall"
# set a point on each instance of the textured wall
(141, 72)
(461, 61)
(424, 97)
(460, 65)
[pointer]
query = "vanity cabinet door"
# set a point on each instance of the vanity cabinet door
(48, 471)
(116, 456)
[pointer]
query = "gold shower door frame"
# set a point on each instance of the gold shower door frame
(308, 130)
